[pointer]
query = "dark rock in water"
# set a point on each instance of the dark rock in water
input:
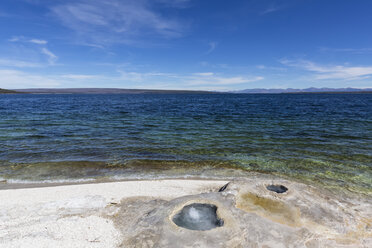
(198, 216)
(277, 188)
(223, 187)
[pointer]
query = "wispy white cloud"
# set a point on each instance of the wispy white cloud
(272, 68)
(213, 80)
(25, 40)
(18, 79)
(115, 21)
(273, 7)
(52, 58)
(212, 46)
(174, 3)
(131, 76)
(347, 50)
(34, 53)
(269, 10)
(39, 42)
(18, 63)
(4, 14)
(80, 76)
(199, 79)
(15, 79)
(11, 78)
(15, 38)
(329, 72)
(203, 74)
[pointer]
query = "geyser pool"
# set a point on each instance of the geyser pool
(198, 216)
(277, 188)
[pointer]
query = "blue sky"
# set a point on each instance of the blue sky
(185, 44)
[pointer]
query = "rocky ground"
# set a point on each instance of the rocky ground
(253, 216)
(140, 214)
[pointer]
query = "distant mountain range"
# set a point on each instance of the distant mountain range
(308, 90)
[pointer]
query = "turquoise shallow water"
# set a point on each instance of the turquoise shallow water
(325, 138)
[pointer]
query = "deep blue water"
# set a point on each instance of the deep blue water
(318, 137)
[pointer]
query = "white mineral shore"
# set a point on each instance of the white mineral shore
(135, 214)
(79, 215)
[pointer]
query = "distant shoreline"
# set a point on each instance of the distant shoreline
(108, 91)
(154, 91)
(3, 91)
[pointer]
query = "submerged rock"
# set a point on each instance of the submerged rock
(252, 215)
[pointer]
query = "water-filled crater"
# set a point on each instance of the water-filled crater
(277, 188)
(198, 216)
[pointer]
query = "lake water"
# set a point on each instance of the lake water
(320, 138)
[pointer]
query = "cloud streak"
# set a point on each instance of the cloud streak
(270, 10)
(80, 76)
(19, 63)
(52, 58)
(125, 79)
(114, 21)
(213, 80)
(24, 40)
(212, 46)
(34, 45)
(38, 42)
(15, 79)
(331, 72)
(347, 50)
